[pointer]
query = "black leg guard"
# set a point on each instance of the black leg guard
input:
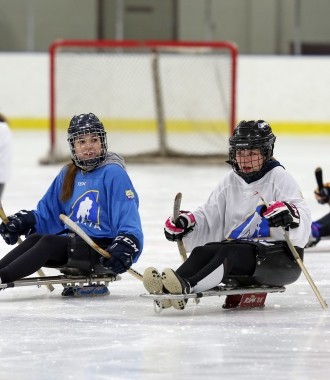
(83, 259)
(276, 265)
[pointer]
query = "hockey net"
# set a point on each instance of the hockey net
(156, 99)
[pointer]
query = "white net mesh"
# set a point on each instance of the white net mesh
(153, 101)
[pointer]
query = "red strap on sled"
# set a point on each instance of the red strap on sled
(245, 301)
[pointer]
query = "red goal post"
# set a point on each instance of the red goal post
(162, 99)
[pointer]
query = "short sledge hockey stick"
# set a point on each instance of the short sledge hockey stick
(176, 213)
(301, 264)
(75, 228)
(319, 179)
(5, 219)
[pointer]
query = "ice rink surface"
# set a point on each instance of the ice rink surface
(45, 336)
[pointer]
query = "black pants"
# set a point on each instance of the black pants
(249, 263)
(33, 253)
(325, 225)
(53, 251)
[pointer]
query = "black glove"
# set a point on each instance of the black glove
(282, 214)
(183, 225)
(10, 238)
(323, 195)
(123, 250)
(21, 223)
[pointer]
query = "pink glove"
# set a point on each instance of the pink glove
(282, 214)
(183, 225)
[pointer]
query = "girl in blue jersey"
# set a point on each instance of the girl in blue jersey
(95, 191)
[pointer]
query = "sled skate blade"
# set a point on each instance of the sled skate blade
(236, 297)
(86, 291)
(82, 285)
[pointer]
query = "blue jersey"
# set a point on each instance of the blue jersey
(104, 204)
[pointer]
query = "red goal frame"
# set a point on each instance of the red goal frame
(152, 45)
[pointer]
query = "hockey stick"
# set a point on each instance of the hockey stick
(176, 213)
(319, 179)
(5, 219)
(75, 228)
(301, 264)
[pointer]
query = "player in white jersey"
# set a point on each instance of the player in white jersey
(237, 235)
(5, 152)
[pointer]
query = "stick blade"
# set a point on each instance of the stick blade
(177, 205)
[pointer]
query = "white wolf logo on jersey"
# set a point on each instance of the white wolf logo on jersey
(84, 209)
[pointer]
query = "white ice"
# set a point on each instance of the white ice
(45, 336)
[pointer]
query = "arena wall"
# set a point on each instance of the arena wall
(290, 92)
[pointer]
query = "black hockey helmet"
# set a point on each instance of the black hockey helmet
(86, 124)
(251, 135)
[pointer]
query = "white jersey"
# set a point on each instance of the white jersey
(5, 152)
(233, 210)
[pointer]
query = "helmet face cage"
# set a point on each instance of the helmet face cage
(249, 135)
(81, 126)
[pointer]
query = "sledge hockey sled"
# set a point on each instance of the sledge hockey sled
(74, 282)
(247, 297)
